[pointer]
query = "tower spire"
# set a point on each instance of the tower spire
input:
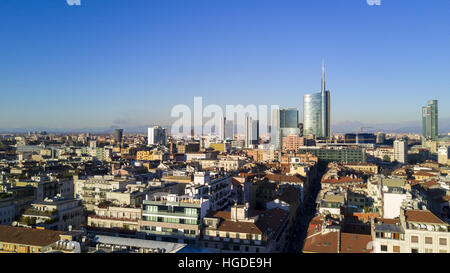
(323, 76)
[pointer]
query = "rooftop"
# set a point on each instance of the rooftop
(29, 236)
(422, 216)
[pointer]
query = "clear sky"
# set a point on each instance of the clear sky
(127, 63)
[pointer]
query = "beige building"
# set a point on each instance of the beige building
(152, 156)
(116, 218)
(54, 213)
(417, 231)
(93, 190)
(363, 167)
(27, 240)
(243, 231)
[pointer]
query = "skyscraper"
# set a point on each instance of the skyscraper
(229, 129)
(284, 123)
(316, 112)
(222, 128)
(275, 129)
(251, 132)
(157, 135)
(430, 120)
(118, 135)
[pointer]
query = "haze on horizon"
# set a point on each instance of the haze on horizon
(125, 64)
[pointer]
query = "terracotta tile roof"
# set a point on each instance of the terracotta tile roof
(284, 178)
(272, 219)
(355, 243)
(422, 216)
(345, 179)
(423, 173)
(429, 184)
(239, 227)
(322, 243)
(389, 221)
(28, 236)
(269, 219)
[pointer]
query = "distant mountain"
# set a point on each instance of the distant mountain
(399, 127)
(338, 127)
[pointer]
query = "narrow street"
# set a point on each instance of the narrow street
(304, 216)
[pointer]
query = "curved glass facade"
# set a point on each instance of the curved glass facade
(312, 114)
(316, 114)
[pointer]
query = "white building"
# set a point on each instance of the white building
(443, 153)
(392, 201)
(401, 151)
(212, 186)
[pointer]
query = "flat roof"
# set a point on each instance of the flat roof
(112, 240)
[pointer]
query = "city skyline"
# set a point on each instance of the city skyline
(144, 67)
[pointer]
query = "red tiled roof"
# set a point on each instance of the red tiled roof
(422, 216)
(269, 219)
(322, 243)
(284, 178)
(355, 243)
(28, 236)
(345, 179)
(423, 173)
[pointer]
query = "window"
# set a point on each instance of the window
(152, 208)
(428, 250)
(396, 249)
(443, 241)
(190, 211)
(414, 239)
(442, 251)
(384, 248)
(414, 250)
(428, 240)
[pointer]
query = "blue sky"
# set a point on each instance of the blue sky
(127, 63)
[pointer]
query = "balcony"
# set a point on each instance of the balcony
(34, 212)
(113, 218)
(171, 234)
(168, 213)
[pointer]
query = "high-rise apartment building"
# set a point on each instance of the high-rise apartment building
(430, 120)
(401, 151)
(316, 112)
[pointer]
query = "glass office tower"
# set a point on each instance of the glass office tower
(316, 113)
(430, 120)
(284, 122)
(289, 118)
